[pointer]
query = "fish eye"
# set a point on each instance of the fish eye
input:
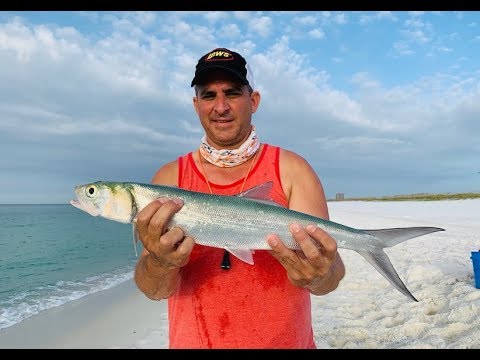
(91, 190)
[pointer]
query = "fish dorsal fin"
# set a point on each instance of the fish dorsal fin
(260, 193)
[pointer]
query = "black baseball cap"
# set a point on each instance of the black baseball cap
(224, 59)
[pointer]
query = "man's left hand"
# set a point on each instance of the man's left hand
(316, 267)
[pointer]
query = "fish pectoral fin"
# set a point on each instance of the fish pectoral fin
(243, 254)
(135, 237)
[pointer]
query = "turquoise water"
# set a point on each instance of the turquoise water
(52, 254)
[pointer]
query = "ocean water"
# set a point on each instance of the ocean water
(52, 254)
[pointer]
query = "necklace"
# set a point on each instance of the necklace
(225, 264)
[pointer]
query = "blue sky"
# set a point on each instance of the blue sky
(379, 103)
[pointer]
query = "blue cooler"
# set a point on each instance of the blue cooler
(476, 267)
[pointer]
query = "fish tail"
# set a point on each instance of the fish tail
(381, 262)
(379, 259)
(394, 236)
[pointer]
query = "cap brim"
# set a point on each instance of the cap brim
(201, 74)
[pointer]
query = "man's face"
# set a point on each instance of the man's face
(225, 107)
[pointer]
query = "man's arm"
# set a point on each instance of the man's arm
(165, 251)
(318, 266)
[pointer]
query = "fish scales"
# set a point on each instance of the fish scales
(240, 224)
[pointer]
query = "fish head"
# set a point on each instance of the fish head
(110, 200)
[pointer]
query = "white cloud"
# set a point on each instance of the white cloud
(367, 18)
(417, 36)
(305, 20)
(123, 85)
(341, 18)
(191, 128)
(230, 31)
(16, 37)
(402, 48)
(215, 16)
(361, 145)
(317, 33)
(416, 13)
(261, 25)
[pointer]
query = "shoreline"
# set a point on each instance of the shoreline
(119, 317)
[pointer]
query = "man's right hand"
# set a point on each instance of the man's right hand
(169, 248)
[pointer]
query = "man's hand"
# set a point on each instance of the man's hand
(168, 247)
(317, 266)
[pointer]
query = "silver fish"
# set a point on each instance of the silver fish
(240, 223)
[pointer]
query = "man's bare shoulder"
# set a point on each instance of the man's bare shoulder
(299, 179)
(291, 160)
(294, 170)
(167, 174)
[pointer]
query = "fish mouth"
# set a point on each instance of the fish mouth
(76, 203)
(84, 207)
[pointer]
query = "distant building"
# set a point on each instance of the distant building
(339, 196)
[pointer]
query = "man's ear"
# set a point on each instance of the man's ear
(195, 104)
(255, 98)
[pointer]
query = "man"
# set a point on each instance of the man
(218, 301)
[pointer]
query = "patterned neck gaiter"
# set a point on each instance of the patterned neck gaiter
(230, 157)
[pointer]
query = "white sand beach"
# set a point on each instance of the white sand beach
(364, 312)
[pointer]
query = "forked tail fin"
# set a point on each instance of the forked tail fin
(391, 237)
(394, 236)
(381, 262)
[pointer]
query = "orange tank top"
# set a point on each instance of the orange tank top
(247, 306)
